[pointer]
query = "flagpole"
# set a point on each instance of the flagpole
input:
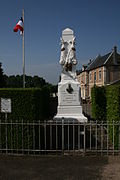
(23, 46)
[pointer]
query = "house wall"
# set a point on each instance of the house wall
(88, 80)
(99, 80)
(101, 76)
(83, 80)
(113, 74)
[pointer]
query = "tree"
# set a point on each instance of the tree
(2, 80)
(13, 81)
(30, 82)
(38, 81)
(17, 81)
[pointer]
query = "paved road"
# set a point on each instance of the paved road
(59, 168)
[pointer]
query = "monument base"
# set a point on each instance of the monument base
(70, 113)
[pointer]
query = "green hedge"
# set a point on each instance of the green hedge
(28, 105)
(113, 111)
(113, 103)
(106, 106)
(98, 103)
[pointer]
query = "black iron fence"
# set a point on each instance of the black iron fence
(59, 137)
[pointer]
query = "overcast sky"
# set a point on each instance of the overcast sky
(96, 25)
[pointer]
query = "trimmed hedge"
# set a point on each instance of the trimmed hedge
(113, 103)
(98, 103)
(27, 104)
(113, 111)
(106, 106)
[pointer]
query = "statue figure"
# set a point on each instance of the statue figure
(62, 56)
(68, 56)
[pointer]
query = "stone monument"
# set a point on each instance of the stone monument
(69, 98)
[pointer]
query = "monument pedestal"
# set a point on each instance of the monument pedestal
(70, 114)
(69, 107)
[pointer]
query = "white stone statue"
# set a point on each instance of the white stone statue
(68, 55)
(62, 56)
(69, 99)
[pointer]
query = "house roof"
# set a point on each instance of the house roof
(115, 82)
(98, 61)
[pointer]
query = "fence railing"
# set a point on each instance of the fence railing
(59, 137)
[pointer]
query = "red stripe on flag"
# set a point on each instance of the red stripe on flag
(18, 27)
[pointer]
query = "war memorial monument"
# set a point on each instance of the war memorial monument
(69, 98)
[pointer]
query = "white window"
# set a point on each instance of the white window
(82, 79)
(86, 79)
(94, 76)
(100, 74)
(90, 77)
(82, 92)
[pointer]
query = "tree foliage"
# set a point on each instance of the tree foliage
(30, 82)
(2, 80)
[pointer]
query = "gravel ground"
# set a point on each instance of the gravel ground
(59, 167)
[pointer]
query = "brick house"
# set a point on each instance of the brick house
(101, 71)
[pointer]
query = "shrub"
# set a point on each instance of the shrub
(113, 111)
(106, 106)
(28, 105)
(98, 103)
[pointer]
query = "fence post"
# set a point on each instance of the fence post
(45, 124)
(0, 136)
(90, 135)
(34, 136)
(50, 136)
(73, 136)
(96, 136)
(63, 134)
(101, 138)
(107, 138)
(68, 136)
(39, 136)
(28, 135)
(78, 135)
(84, 139)
(17, 135)
(119, 137)
(22, 136)
(6, 132)
(113, 138)
(56, 137)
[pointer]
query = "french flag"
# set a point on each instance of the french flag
(19, 26)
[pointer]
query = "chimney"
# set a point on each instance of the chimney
(115, 54)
